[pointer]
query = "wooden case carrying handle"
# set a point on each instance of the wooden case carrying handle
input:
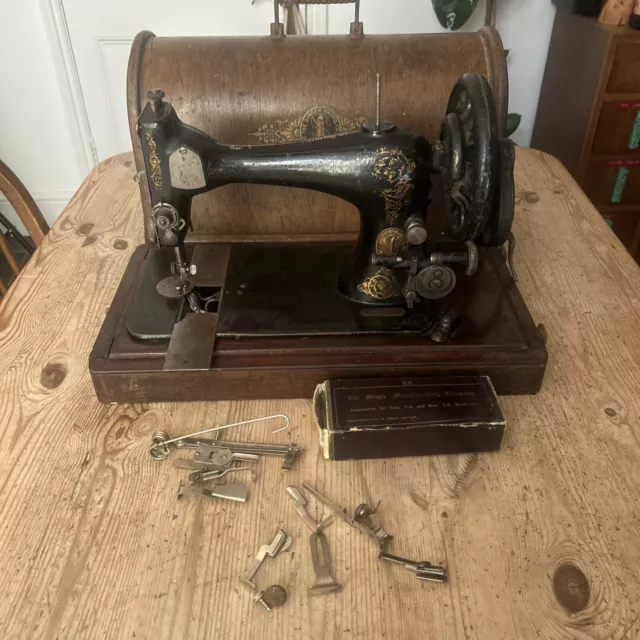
(356, 29)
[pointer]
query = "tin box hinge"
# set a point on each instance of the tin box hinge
(356, 28)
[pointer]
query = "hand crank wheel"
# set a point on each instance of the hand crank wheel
(470, 156)
(498, 226)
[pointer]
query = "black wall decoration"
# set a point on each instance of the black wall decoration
(453, 14)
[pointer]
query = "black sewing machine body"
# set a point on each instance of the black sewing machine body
(273, 320)
(383, 171)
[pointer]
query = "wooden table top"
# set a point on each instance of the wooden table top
(541, 539)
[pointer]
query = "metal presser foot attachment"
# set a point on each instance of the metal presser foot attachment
(275, 595)
(362, 520)
(233, 491)
(174, 287)
(363, 516)
(423, 570)
(300, 503)
(160, 440)
(178, 284)
(200, 476)
(289, 452)
(320, 556)
(321, 559)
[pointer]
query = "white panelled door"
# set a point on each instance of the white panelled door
(101, 32)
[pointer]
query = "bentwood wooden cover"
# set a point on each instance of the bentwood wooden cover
(256, 90)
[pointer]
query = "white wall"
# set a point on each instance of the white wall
(525, 27)
(37, 138)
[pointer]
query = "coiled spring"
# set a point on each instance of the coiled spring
(158, 448)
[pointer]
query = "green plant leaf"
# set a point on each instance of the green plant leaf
(452, 14)
(513, 122)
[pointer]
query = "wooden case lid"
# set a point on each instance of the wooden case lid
(255, 90)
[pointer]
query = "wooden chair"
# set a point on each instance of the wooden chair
(28, 212)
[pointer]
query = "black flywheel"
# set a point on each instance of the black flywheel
(470, 155)
(496, 231)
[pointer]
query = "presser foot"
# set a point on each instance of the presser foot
(174, 287)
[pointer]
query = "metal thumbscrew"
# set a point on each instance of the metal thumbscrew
(163, 222)
(273, 596)
(155, 95)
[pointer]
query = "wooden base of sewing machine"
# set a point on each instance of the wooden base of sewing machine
(218, 356)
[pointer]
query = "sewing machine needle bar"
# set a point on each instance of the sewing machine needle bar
(378, 100)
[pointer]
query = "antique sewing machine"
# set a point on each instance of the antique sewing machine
(423, 289)
(385, 172)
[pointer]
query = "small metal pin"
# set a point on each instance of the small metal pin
(155, 97)
(378, 99)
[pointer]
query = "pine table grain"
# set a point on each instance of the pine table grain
(542, 540)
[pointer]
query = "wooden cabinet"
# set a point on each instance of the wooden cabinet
(625, 70)
(618, 129)
(589, 116)
(613, 182)
(625, 225)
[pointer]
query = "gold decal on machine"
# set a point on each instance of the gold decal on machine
(391, 242)
(394, 168)
(154, 162)
(318, 122)
(381, 285)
